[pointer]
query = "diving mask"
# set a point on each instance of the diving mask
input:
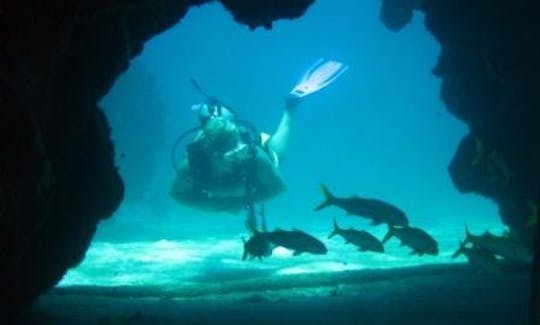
(212, 111)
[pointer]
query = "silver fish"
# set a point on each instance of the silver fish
(376, 210)
(362, 239)
(420, 241)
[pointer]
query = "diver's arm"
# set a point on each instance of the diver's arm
(279, 140)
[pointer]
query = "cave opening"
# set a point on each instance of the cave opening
(385, 132)
(380, 131)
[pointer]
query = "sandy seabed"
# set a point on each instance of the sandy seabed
(429, 294)
(205, 281)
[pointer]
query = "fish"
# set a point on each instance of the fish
(362, 239)
(420, 241)
(256, 247)
(502, 246)
(479, 258)
(376, 210)
(296, 240)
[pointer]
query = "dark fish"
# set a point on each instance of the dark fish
(376, 210)
(417, 239)
(256, 247)
(362, 239)
(501, 246)
(479, 258)
(296, 240)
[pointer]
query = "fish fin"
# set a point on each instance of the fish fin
(389, 234)
(335, 231)
(468, 235)
(296, 253)
(460, 250)
(375, 222)
(329, 198)
(336, 226)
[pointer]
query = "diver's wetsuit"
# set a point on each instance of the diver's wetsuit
(220, 162)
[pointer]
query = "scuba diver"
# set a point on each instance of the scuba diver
(229, 165)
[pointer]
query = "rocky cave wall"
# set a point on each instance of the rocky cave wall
(58, 58)
(57, 172)
(490, 69)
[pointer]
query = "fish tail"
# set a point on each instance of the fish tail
(329, 198)
(459, 250)
(468, 235)
(335, 231)
(389, 234)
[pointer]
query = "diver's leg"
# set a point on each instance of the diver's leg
(278, 141)
(266, 176)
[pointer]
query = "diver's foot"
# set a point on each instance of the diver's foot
(291, 102)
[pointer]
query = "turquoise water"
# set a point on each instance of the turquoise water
(380, 131)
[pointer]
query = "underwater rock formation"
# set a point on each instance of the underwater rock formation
(58, 177)
(489, 66)
(264, 12)
(395, 14)
(57, 171)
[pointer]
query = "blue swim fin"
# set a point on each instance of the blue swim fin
(319, 75)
